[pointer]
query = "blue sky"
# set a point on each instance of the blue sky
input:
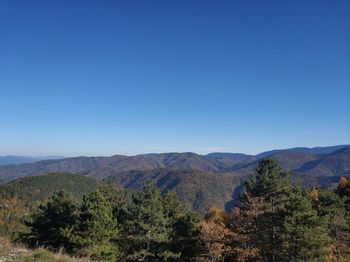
(129, 77)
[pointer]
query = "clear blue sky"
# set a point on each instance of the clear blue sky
(129, 77)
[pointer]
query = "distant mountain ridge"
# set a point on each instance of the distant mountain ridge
(16, 160)
(298, 159)
(200, 181)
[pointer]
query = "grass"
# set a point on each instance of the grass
(16, 253)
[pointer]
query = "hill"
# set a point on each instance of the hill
(215, 174)
(197, 189)
(199, 181)
(32, 190)
(102, 167)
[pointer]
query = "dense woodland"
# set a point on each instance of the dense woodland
(273, 220)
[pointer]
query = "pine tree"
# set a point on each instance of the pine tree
(96, 230)
(176, 226)
(274, 187)
(172, 207)
(306, 237)
(332, 209)
(184, 236)
(48, 224)
(119, 200)
(148, 234)
(343, 190)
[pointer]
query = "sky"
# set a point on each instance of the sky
(131, 77)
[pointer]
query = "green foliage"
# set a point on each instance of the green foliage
(148, 232)
(273, 221)
(12, 212)
(48, 224)
(182, 227)
(96, 229)
(118, 198)
(24, 194)
(274, 188)
(333, 210)
(343, 190)
(198, 190)
(34, 190)
(184, 236)
(305, 237)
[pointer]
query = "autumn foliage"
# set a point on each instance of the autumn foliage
(272, 220)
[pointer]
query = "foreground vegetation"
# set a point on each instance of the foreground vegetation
(272, 221)
(19, 253)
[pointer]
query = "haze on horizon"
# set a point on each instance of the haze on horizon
(131, 77)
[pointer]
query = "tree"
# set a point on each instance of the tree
(274, 187)
(314, 198)
(213, 237)
(172, 207)
(95, 233)
(148, 233)
(185, 235)
(243, 222)
(306, 236)
(48, 224)
(118, 198)
(332, 209)
(182, 226)
(12, 212)
(343, 190)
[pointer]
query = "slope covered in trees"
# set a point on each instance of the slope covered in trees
(315, 162)
(33, 190)
(273, 220)
(196, 189)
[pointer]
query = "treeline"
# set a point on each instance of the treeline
(272, 221)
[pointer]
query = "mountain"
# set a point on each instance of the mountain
(200, 181)
(305, 150)
(197, 189)
(288, 160)
(299, 159)
(31, 190)
(336, 163)
(324, 172)
(16, 160)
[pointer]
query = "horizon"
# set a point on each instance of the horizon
(48, 157)
(129, 78)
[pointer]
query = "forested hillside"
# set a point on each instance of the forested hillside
(273, 220)
(304, 162)
(196, 189)
(199, 181)
(33, 190)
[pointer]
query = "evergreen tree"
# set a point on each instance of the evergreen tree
(306, 237)
(148, 234)
(119, 200)
(343, 190)
(48, 224)
(96, 230)
(274, 187)
(182, 227)
(332, 209)
(172, 208)
(185, 235)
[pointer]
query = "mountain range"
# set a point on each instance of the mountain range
(200, 181)
(16, 160)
